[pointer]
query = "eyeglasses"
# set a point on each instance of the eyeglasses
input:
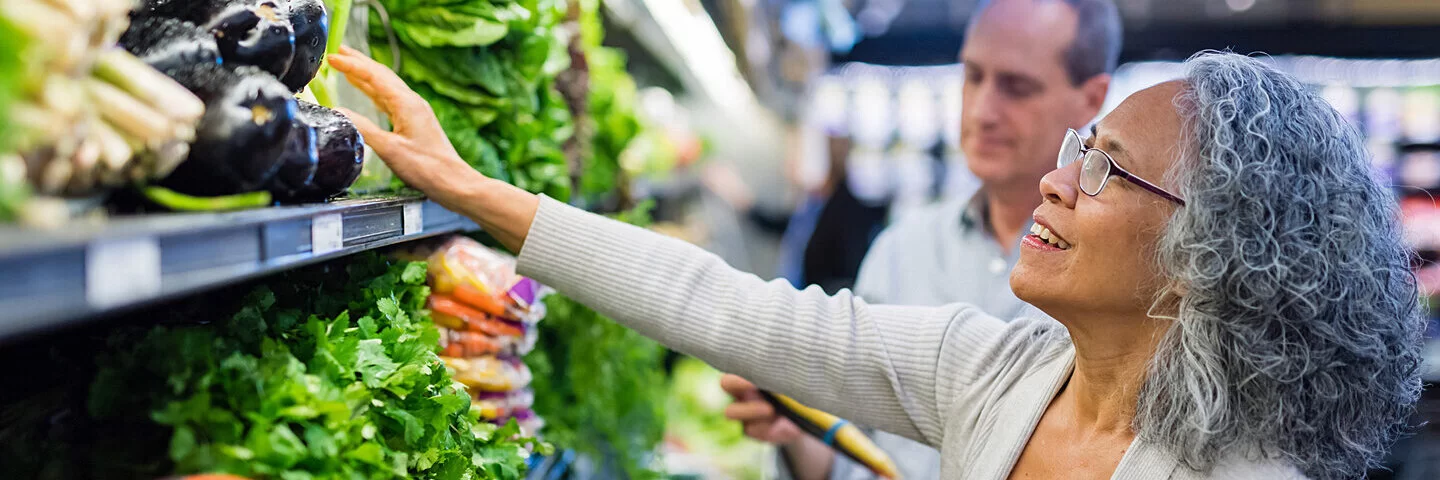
(1095, 172)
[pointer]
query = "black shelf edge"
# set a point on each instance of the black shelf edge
(65, 276)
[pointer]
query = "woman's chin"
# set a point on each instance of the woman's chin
(1032, 286)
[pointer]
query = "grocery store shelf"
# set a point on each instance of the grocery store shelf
(56, 277)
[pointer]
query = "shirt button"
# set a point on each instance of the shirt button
(997, 265)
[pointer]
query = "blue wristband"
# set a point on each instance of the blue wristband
(829, 438)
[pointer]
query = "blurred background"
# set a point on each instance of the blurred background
(731, 124)
(884, 75)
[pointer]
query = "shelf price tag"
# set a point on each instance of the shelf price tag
(326, 234)
(413, 221)
(122, 271)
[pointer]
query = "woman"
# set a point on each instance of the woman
(1232, 296)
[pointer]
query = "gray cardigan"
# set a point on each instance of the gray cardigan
(950, 377)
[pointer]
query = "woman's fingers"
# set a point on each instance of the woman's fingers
(379, 139)
(390, 93)
(736, 386)
(750, 411)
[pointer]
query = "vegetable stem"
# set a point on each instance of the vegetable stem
(181, 202)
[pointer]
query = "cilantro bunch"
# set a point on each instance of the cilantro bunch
(317, 376)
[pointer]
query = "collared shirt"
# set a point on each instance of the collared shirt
(942, 254)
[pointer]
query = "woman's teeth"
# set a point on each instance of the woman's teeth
(1048, 237)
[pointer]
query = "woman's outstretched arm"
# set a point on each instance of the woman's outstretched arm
(876, 365)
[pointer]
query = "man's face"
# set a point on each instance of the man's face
(1018, 99)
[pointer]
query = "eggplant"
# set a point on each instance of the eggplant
(342, 153)
(297, 163)
(258, 35)
(168, 44)
(247, 32)
(239, 143)
(312, 30)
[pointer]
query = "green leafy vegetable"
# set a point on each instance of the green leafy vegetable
(482, 65)
(14, 190)
(314, 377)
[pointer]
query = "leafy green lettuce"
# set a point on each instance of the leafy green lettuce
(487, 67)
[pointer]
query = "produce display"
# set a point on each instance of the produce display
(308, 378)
(192, 102)
(382, 370)
(246, 59)
(610, 106)
(85, 115)
(487, 316)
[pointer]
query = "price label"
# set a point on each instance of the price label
(122, 271)
(326, 234)
(414, 222)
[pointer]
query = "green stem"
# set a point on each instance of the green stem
(339, 19)
(323, 85)
(185, 203)
(320, 88)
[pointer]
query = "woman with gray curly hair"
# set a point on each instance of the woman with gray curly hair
(1232, 297)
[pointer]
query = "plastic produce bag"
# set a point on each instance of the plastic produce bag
(465, 273)
(489, 374)
(468, 344)
(497, 405)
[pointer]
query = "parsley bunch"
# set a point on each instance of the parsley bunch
(314, 377)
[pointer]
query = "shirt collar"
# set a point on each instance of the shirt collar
(975, 217)
(976, 213)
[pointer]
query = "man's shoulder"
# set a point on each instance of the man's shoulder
(924, 222)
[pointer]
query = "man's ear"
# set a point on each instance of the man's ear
(1093, 93)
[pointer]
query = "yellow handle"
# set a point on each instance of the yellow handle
(847, 438)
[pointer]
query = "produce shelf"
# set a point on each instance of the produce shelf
(57, 277)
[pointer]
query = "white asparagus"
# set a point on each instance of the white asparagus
(38, 126)
(166, 157)
(42, 22)
(55, 175)
(82, 11)
(128, 114)
(12, 169)
(63, 95)
(83, 164)
(132, 75)
(116, 151)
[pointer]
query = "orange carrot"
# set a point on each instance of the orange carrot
(453, 350)
(446, 305)
(494, 326)
(472, 296)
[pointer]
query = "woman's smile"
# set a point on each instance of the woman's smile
(1042, 237)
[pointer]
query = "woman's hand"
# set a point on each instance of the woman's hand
(420, 154)
(809, 459)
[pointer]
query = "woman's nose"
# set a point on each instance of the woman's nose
(1060, 187)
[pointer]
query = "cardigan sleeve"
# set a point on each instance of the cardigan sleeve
(875, 365)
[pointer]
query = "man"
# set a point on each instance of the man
(1032, 69)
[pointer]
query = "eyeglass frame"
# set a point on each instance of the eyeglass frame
(1112, 169)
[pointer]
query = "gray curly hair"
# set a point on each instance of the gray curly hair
(1296, 331)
